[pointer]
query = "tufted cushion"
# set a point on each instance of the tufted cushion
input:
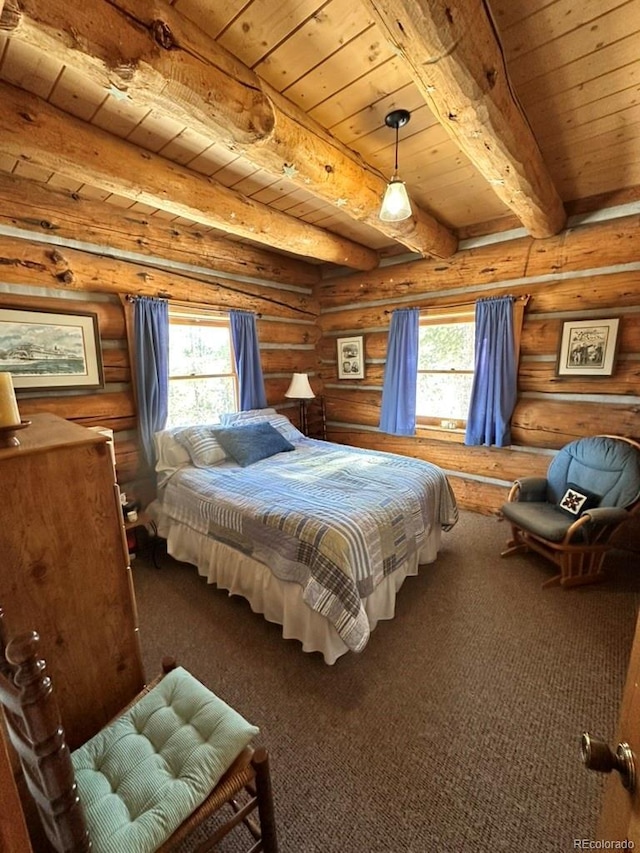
(145, 773)
(248, 442)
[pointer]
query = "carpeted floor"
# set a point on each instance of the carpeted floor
(458, 727)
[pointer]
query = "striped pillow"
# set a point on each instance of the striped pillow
(234, 417)
(202, 445)
(280, 422)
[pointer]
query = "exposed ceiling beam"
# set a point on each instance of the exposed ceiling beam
(32, 129)
(62, 215)
(455, 58)
(148, 52)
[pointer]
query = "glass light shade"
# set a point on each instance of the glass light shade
(395, 204)
(299, 388)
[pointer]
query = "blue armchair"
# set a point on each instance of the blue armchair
(592, 487)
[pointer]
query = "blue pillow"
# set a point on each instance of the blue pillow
(250, 443)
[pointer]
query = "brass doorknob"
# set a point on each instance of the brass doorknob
(598, 755)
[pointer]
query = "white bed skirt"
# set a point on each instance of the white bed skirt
(281, 601)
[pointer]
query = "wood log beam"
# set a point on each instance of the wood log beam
(455, 59)
(28, 263)
(39, 209)
(149, 53)
(32, 129)
(9, 15)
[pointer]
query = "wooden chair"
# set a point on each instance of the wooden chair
(51, 775)
(592, 487)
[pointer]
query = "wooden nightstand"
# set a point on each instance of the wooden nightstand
(316, 418)
(146, 523)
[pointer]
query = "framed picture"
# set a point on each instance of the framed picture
(50, 349)
(351, 358)
(587, 348)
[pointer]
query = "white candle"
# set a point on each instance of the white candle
(9, 414)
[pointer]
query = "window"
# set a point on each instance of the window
(202, 374)
(445, 367)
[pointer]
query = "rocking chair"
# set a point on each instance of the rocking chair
(592, 487)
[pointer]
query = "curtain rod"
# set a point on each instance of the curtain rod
(525, 298)
(192, 306)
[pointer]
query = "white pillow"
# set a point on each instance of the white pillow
(169, 453)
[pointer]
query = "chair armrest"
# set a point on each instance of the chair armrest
(606, 515)
(529, 489)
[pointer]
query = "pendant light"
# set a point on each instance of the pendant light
(395, 204)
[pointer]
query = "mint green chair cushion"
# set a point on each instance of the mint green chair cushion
(145, 773)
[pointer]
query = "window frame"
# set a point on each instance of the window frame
(442, 317)
(199, 317)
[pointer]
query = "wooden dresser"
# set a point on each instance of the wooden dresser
(64, 569)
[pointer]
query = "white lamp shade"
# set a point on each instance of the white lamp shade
(395, 204)
(299, 388)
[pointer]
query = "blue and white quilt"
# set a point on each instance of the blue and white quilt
(334, 519)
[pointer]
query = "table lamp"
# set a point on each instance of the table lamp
(299, 389)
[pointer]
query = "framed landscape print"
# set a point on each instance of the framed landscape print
(587, 348)
(50, 349)
(351, 358)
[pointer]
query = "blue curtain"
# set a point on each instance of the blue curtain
(151, 329)
(494, 391)
(244, 335)
(398, 413)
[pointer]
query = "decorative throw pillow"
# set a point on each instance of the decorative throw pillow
(249, 443)
(280, 422)
(577, 500)
(201, 444)
(229, 418)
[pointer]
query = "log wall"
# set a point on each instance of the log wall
(585, 272)
(589, 271)
(41, 276)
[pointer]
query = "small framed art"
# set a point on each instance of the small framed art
(588, 348)
(351, 358)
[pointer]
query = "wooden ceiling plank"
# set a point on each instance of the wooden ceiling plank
(456, 61)
(28, 68)
(199, 11)
(558, 80)
(76, 95)
(572, 137)
(364, 54)
(154, 131)
(322, 35)
(246, 114)
(622, 82)
(34, 207)
(551, 22)
(263, 25)
(351, 118)
(34, 130)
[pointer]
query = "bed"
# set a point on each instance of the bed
(317, 536)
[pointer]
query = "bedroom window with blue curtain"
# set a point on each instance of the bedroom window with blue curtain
(151, 334)
(445, 367)
(202, 375)
(246, 349)
(494, 392)
(398, 410)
